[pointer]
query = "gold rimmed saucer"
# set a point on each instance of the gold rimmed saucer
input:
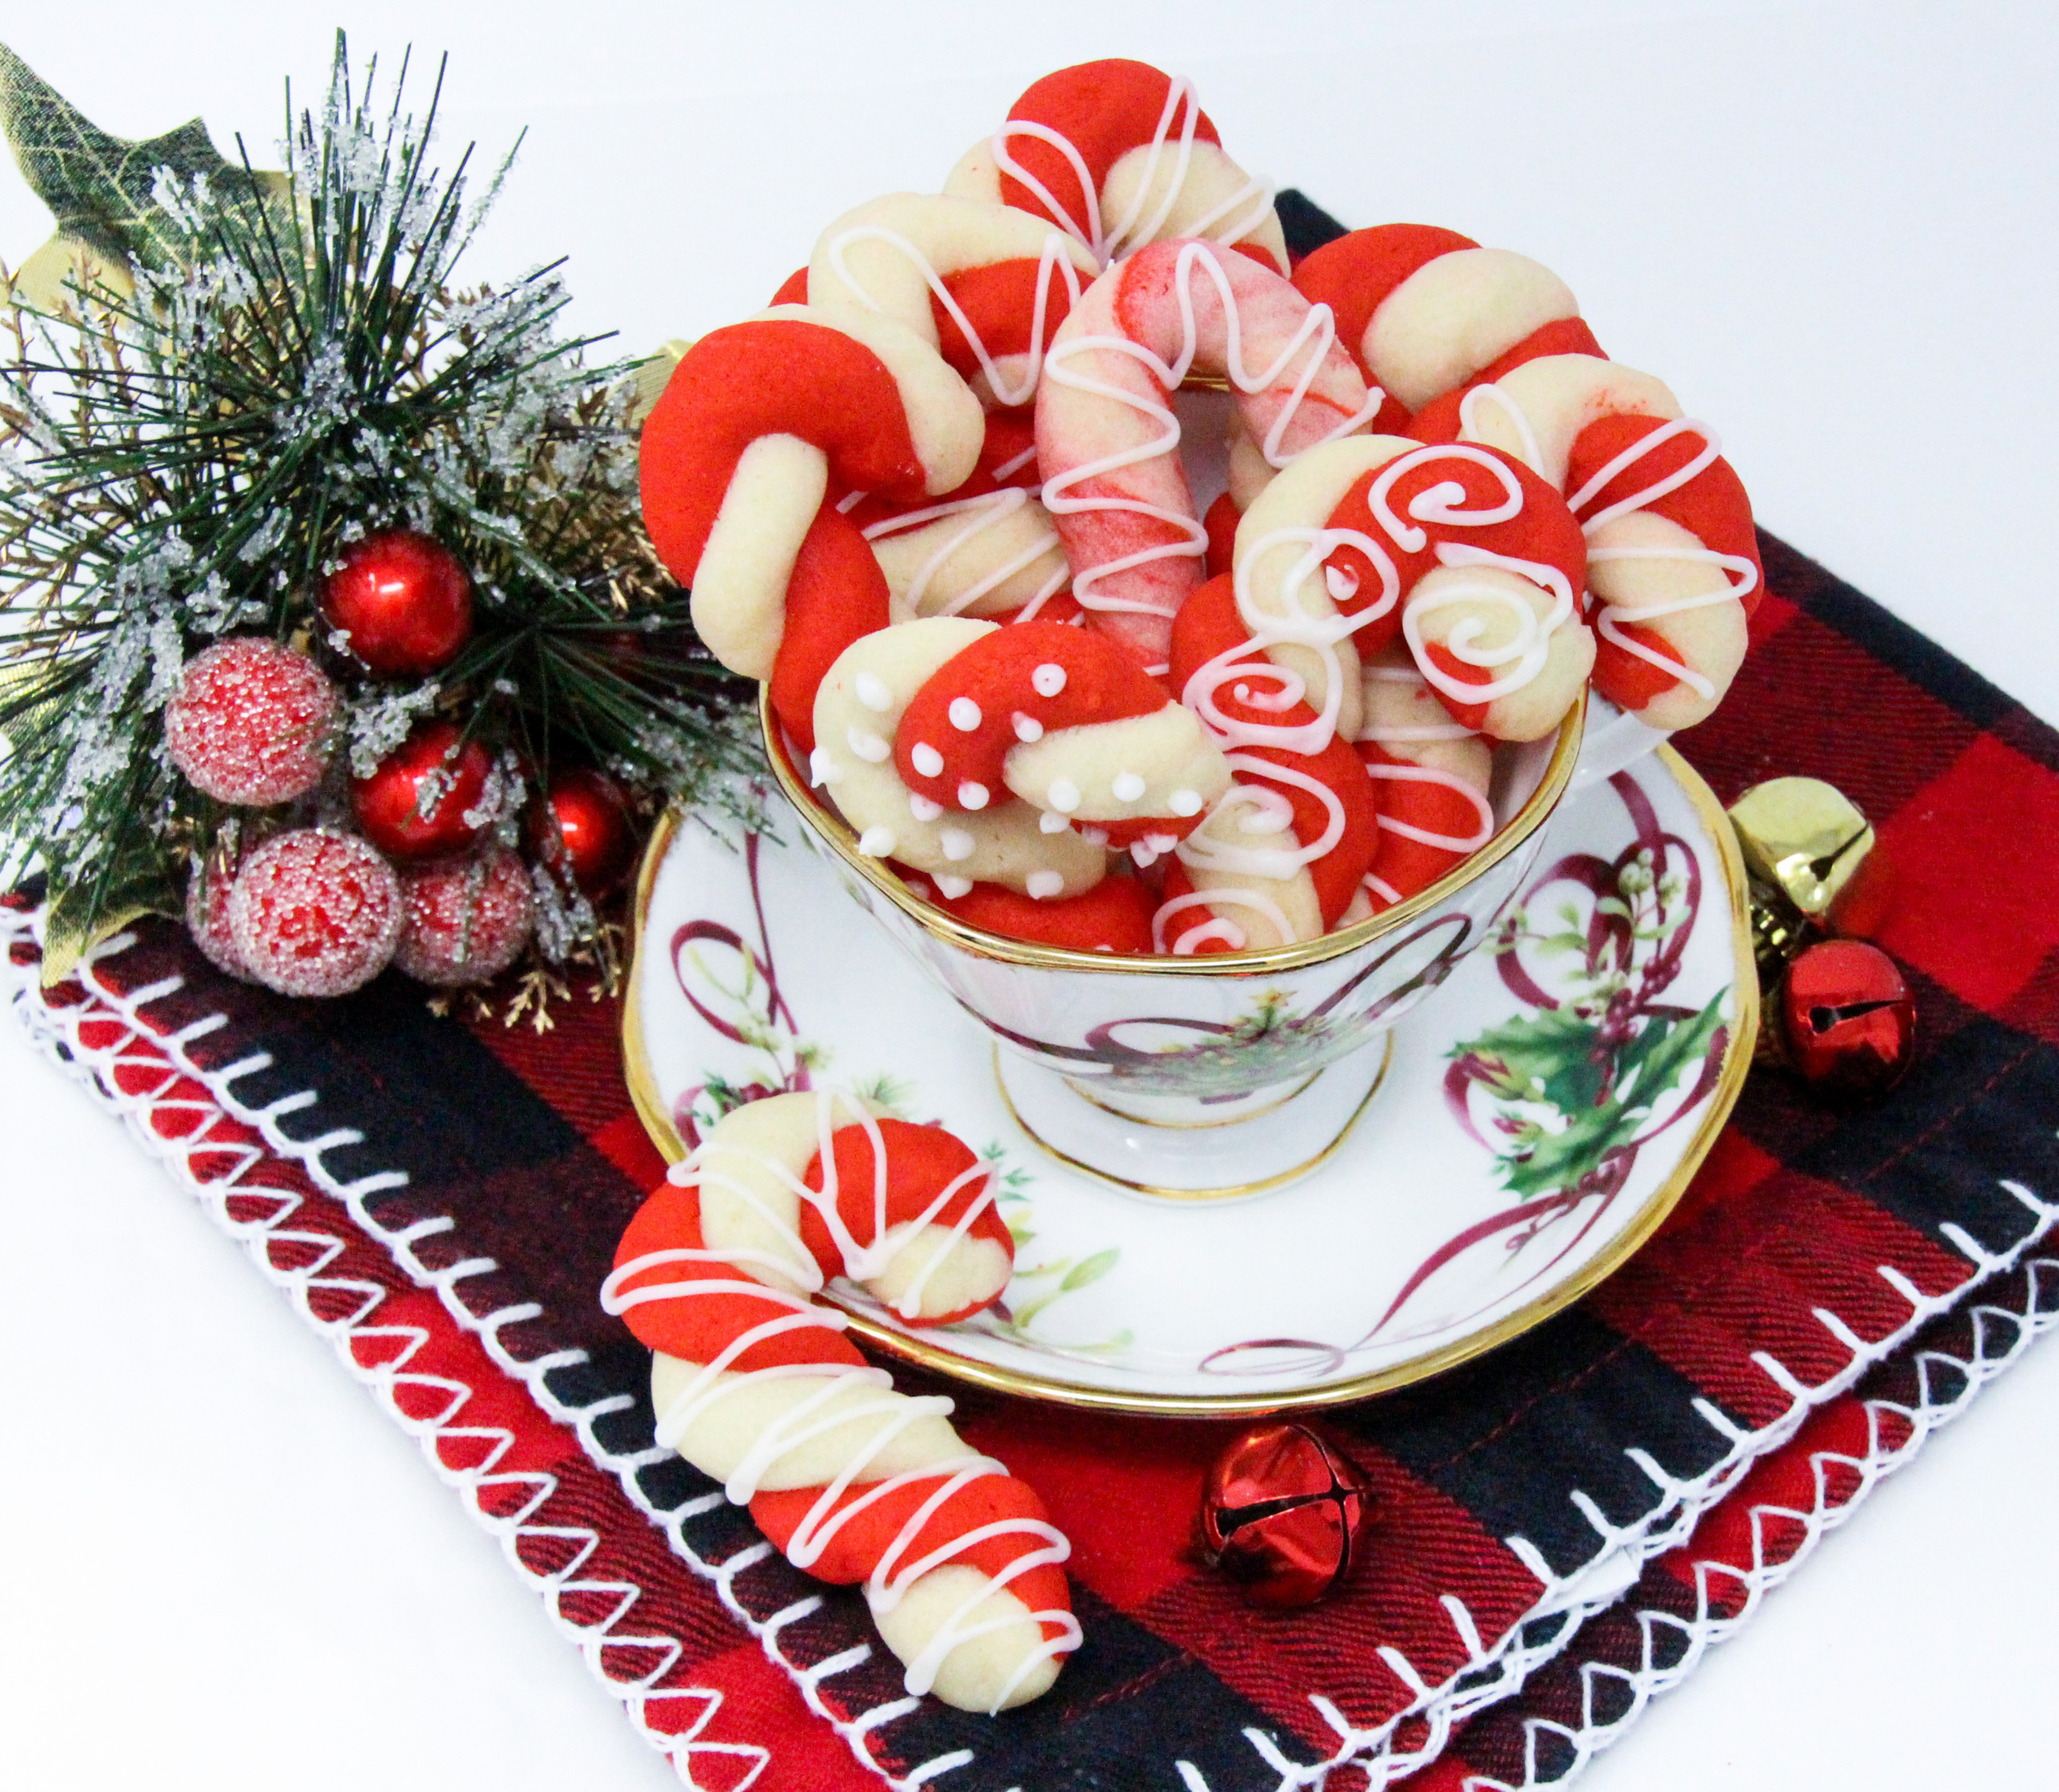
(753, 971)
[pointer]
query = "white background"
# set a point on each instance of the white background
(1830, 228)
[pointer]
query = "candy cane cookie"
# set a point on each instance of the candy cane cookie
(1108, 443)
(735, 466)
(1433, 775)
(1118, 154)
(756, 1385)
(1302, 813)
(984, 284)
(1426, 310)
(1063, 719)
(1671, 555)
(858, 712)
(1673, 561)
(1462, 549)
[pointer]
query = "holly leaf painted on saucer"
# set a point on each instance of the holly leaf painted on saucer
(1568, 1102)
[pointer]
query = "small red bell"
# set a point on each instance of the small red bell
(1282, 1513)
(1849, 1018)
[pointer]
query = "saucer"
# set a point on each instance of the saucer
(1500, 1161)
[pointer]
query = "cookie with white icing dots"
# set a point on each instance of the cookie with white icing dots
(1442, 497)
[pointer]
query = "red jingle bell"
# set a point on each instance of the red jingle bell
(1283, 1514)
(403, 600)
(413, 805)
(1849, 1018)
(583, 827)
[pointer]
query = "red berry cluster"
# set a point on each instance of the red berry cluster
(423, 882)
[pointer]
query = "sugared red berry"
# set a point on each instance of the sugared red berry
(252, 722)
(465, 922)
(315, 913)
(206, 918)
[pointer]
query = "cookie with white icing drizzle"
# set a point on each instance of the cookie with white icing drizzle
(1433, 775)
(1673, 560)
(1118, 154)
(1108, 440)
(757, 1386)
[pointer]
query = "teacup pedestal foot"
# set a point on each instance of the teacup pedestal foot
(1180, 1148)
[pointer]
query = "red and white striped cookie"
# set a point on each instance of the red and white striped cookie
(985, 284)
(736, 462)
(857, 715)
(1674, 600)
(1063, 719)
(756, 1386)
(1282, 856)
(1108, 442)
(987, 549)
(1433, 775)
(1673, 561)
(1118, 154)
(1461, 549)
(1427, 311)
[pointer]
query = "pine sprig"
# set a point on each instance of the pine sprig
(294, 366)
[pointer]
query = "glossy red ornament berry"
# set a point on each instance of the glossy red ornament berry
(583, 826)
(1283, 1514)
(404, 601)
(252, 722)
(314, 913)
(466, 923)
(429, 771)
(1849, 1018)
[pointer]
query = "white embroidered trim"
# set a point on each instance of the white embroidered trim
(1690, 1638)
(1603, 1579)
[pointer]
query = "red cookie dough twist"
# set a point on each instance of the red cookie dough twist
(1118, 154)
(1108, 442)
(736, 462)
(1114, 916)
(1064, 719)
(857, 715)
(1671, 554)
(1673, 560)
(985, 284)
(986, 547)
(756, 1386)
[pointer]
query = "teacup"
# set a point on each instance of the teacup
(1210, 1077)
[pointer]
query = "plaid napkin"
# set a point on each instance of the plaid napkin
(444, 1201)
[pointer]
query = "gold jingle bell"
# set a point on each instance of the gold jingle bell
(1806, 845)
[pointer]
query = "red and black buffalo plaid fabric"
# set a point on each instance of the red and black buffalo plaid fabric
(1596, 1494)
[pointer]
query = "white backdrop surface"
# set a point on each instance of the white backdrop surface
(1830, 228)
